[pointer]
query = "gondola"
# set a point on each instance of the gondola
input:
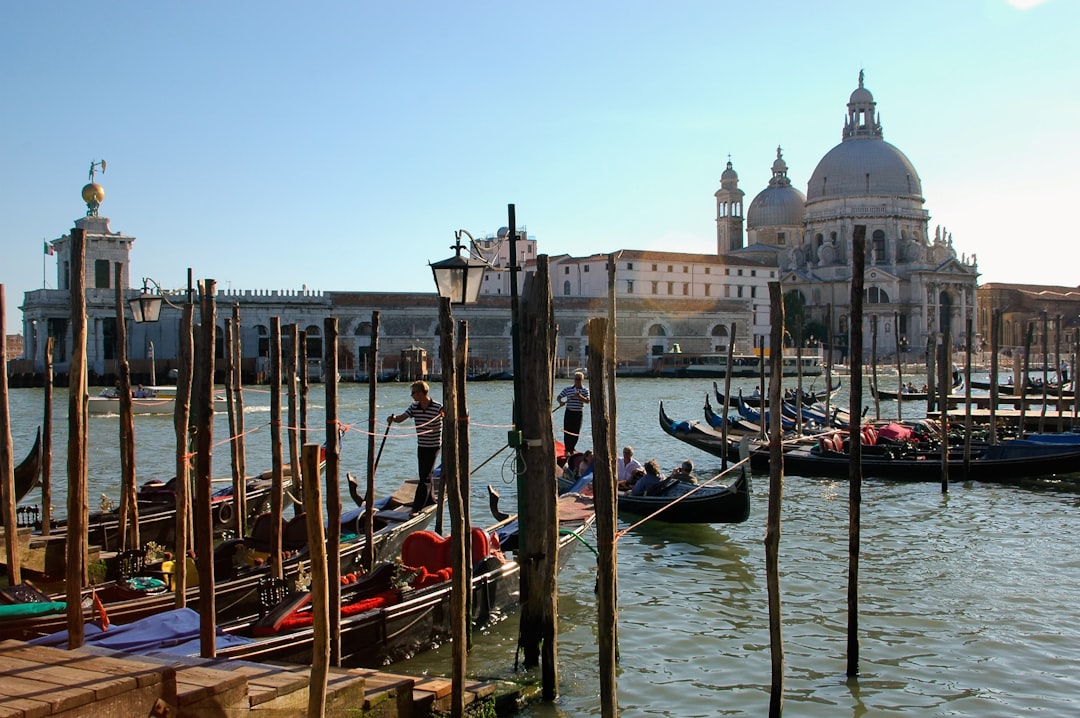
(885, 395)
(809, 397)
(677, 501)
(399, 609)
(1010, 462)
(701, 436)
(27, 473)
(238, 568)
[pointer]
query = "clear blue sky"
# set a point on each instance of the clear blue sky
(338, 145)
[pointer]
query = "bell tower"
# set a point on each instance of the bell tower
(729, 212)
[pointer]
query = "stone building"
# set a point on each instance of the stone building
(1021, 305)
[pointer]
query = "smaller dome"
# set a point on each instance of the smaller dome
(729, 173)
(861, 96)
(777, 206)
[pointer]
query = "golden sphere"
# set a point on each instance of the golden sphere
(93, 192)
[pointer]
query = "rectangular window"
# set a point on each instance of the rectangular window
(781, 238)
(708, 288)
(655, 288)
(753, 292)
(740, 292)
(670, 268)
(630, 265)
(753, 272)
(740, 272)
(566, 270)
(629, 286)
(708, 270)
(586, 267)
(727, 290)
(686, 270)
(101, 273)
(670, 288)
(654, 267)
(686, 289)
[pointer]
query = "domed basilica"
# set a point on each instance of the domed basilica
(916, 286)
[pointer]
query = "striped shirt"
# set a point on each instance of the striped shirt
(573, 401)
(428, 426)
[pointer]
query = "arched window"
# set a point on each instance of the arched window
(879, 246)
(876, 295)
(566, 288)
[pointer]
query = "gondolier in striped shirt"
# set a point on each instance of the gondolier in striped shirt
(427, 414)
(574, 398)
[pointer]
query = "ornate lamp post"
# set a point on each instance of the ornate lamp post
(458, 278)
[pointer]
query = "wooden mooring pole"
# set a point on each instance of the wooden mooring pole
(129, 504)
(604, 499)
(78, 407)
(181, 430)
(46, 441)
(540, 524)
(7, 461)
(277, 490)
(858, 267)
(333, 485)
(320, 649)
(203, 421)
(776, 492)
(372, 458)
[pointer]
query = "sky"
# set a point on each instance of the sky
(339, 145)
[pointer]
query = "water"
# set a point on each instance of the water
(968, 601)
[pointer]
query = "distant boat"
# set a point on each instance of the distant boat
(144, 400)
(715, 365)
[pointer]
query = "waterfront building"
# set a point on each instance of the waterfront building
(916, 286)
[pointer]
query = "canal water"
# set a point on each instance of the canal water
(969, 600)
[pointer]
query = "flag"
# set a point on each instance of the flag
(49, 249)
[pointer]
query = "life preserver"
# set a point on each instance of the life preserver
(225, 512)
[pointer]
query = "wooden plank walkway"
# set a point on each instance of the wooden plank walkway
(40, 682)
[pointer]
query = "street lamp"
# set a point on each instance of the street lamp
(458, 278)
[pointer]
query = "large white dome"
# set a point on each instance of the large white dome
(863, 167)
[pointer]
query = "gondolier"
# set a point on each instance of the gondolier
(427, 415)
(574, 398)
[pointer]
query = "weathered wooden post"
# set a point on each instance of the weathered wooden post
(292, 431)
(369, 511)
(333, 485)
(727, 393)
(604, 499)
(238, 480)
(540, 529)
(7, 461)
(943, 398)
(451, 489)
(828, 364)
(302, 382)
(77, 534)
(1060, 377)
(995, 341)
(967, 399)
(320, 649)
(858, 267)
(1045, 374)
(277, 498)
(899, 367)
(461, 356)
(181, 430)
(129, 503)
(46, 441)
(239, 441)
(873, 365)
(203, 420)
(776, 493)
(611, 350)
(1021, 384)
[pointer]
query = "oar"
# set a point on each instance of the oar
(354, 489)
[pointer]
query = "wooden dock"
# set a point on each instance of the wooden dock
(39, 681)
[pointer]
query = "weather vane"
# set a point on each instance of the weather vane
(94, 167)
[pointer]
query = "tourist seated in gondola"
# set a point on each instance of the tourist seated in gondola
(651, 478)
(684, 472)
(626, 464)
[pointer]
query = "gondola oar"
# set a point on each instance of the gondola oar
(354, 489)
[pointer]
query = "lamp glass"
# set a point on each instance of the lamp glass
(458, 279)
(145, 308)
